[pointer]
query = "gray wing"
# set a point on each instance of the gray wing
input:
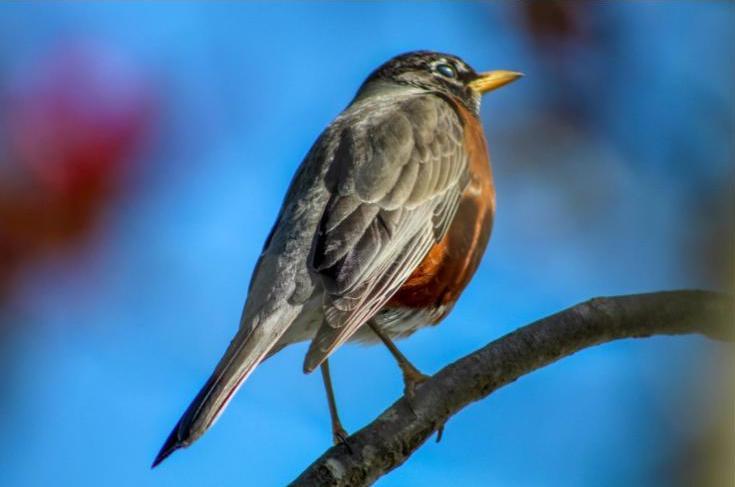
(396, 181)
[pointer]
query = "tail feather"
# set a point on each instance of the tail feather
(245, 352)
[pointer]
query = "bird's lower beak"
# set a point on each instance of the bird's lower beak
(491, 80)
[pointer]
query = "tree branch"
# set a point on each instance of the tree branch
(392, 438)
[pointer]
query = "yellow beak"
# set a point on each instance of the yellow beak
(491, 80)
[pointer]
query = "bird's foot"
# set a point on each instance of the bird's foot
(339, 437)
(412, 378)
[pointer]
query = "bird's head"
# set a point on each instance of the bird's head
(441, 73)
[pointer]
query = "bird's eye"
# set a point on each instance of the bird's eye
(446, 70)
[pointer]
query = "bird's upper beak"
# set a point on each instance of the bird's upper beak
(491, 80)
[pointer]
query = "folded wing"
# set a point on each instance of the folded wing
(396, 181)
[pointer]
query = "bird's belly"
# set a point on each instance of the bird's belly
(432, 289)
(398, 323)
(450, 264)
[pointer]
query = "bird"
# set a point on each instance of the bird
(381, 229)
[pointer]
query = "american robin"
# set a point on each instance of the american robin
(382, 227)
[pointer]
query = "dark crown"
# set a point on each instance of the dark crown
(438, 72)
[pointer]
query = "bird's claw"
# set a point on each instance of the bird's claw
(412, 378)
(339, 437)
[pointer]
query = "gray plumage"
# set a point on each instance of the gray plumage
(401, 166)
(393, 160)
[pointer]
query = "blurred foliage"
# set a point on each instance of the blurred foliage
(72, 120)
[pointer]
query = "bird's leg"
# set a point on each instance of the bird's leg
(339, 435)
(412, 377)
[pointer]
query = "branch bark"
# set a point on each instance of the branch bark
(401, 429)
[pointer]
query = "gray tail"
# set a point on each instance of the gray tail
(246, 351)
(185, 433)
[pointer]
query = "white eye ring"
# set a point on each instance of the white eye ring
(446, 70)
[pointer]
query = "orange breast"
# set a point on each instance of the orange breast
(450, 264)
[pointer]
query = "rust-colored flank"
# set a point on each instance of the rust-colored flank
(448, 267)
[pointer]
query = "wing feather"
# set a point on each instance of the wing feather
(397, 183)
